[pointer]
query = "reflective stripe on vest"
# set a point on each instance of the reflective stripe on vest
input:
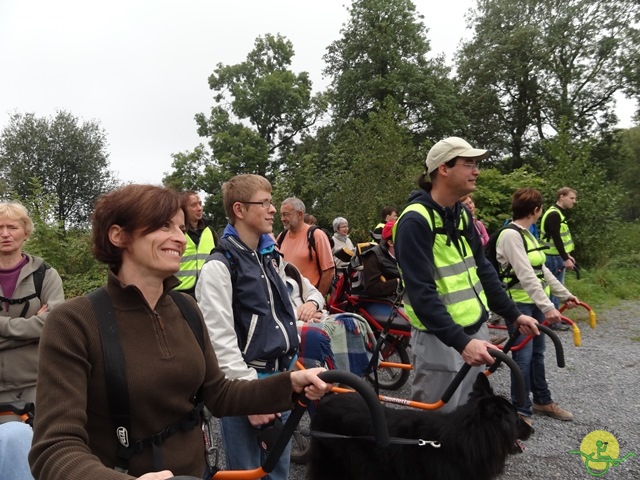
(456, 276)
(565, 234)
(194, 258)
(536, 259)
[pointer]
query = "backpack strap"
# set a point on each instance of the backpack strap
(114, 366)
(118, 388)
(190, 314)
(38, 280)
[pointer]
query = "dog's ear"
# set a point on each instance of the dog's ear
(482, 384)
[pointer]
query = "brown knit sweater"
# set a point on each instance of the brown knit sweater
(73, 434)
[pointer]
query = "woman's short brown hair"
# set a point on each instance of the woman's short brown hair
(524, 202)
(137, 209)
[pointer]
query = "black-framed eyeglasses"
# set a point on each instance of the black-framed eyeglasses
(263, 204)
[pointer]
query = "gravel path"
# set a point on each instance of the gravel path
(600, 385)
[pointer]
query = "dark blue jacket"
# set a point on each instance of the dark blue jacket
(264, 319)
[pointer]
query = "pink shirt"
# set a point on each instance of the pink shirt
(482, 231)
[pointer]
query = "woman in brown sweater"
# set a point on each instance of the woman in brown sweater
(138, 232)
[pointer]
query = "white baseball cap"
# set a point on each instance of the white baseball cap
(451, 148)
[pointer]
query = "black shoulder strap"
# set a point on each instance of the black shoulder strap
(280, 238)
(115, 374)
(311, 241)
(190, 314)
(38, 278)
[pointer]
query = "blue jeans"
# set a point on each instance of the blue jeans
(530, 359)
(556, 265)
(240, 442)
(15, 442)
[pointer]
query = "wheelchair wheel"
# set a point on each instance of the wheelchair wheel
(301, 441)
(394, 350)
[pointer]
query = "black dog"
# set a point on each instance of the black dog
(474, 440)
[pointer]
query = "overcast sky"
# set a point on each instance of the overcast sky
(140, 67)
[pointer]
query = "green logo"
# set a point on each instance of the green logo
(600, 451)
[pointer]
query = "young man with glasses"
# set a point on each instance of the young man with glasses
(450, 285)
(246, 306)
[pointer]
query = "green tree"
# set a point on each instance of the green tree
(355, 170)
(629, 172)
(66, 157)
(261, 108)
(595, 220)
(493, 197)
(383, 54)
(536, 68)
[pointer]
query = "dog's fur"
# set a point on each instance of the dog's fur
(475, 440)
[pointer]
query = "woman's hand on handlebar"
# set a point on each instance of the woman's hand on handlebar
(309, 382)
(163, 475)
(572, 302)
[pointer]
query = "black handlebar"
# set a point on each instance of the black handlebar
(331, 376)
(549, 333)
(500, 357)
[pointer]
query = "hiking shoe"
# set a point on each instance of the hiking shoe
(554, 411)
(526, 420)
(560, 327)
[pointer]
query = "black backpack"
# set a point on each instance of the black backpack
(38, 280)
(490, 251)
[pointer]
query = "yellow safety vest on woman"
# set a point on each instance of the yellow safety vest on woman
(565, 234)
(456, 276)
(194, 258)
(536, 258)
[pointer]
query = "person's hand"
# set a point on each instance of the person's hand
(571, 302)
(475, 353)
(164, 474)
(527, 325)
(257, 420)
(317, 317)
(553, 316)
(42, 309)
(569, 263)
(309, 382)
(307, 311)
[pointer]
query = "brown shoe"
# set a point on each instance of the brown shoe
(554, 411)
(526, 420)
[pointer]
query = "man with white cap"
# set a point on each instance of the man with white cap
(450, 285)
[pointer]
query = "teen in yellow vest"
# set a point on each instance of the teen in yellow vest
(200, 242)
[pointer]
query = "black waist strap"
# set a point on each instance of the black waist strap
(190, 421)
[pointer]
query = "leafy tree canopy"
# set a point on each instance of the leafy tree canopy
(261, 108)
(537, 68)
(67, 158)
(383, 52)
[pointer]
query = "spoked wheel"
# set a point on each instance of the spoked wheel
(301, 444)
(394, 350)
